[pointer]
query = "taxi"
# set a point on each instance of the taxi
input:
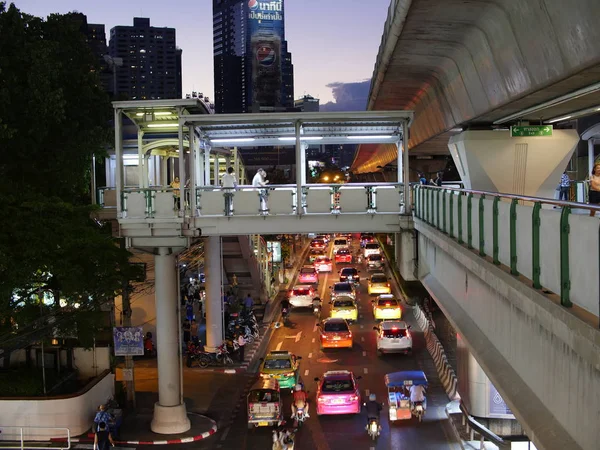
(315, 253)
(335, 333)
(343, 255)
(344, 308)
(323, 264)
(386, 307)
(308, 275)
(282, 366)
(379, 284)
(318, 244)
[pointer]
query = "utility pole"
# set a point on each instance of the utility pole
(126, 311)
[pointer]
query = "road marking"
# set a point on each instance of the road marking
(225, 433)
(315, 328)
(362, 339)
(310, 355)
(278, 346)
(298, 336)
(367, 392)
(366, 371)
(306, 373)
(362, 326)
(364, 353)
(313, 340)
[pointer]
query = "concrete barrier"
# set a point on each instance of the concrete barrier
(436, 350)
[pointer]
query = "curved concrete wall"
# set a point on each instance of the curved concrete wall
(543, 360)
(456, 61)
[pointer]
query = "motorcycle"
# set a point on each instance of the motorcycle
(317, 307)
(285, 316)
(374, 429)
(418, 410)
(285, 442)
(205, 359)
(299, 418)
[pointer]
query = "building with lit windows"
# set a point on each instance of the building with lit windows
(151, 66)
(253, 70)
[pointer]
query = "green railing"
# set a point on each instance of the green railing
(554, 244)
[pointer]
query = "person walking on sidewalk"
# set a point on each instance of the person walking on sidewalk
(242, 343)
(248, 304)
(102, 438)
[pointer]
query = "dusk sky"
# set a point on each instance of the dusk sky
(334, 43)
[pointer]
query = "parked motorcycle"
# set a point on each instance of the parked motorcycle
(219, 358)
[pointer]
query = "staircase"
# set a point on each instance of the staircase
(239, 259)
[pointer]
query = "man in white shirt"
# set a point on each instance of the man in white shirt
(417, 393)
(259, 182)
(229, 183)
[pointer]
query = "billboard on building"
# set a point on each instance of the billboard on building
(265, 27)
(128, 341)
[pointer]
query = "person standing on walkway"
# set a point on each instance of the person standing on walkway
(259, 182)
(229, 183)
(176, 185)
(564, 187)
(242, 343)
(102, 438)
(248, 304)
(594, 194)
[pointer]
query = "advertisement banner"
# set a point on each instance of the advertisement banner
(275, 248)
(265, 23)
(129, 341)
(498, 407)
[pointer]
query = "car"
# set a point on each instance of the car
(323, 264)
(302, 296)
(318, 244)
(340, 242)
(308, 275)
(283, 366)
(366, 238)
(374, 262)
(338, 393)
(386, 307)
(345, 308)
(350, 274)
(343, 255)
(345, 235)
(325, 238)
(314, 254)
(379, 284)
(343, 288)
(335, 333)
(393, 336)
(371, 249)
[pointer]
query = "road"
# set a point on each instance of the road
(338, 432)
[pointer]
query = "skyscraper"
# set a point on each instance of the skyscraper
(253, 69)
(151, 61)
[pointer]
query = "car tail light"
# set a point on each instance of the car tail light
(323, 336)
(321, 399)
(289, 374)
(350, 335)
(353, 398)
(408, 335)
(250, 405)
(388, 284)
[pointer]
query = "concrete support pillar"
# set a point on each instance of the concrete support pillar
(118, 160)
(405, 168)
(192, 170)
(181, 170)
(164, 181)
(142, 168)
(496, 162)
(207, 165)
(214, 296)
(591, 155)
(405, 255)
(216, 170)
(399, 172)
(170, 416)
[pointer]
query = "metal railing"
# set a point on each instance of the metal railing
(22, 437)
(510, 228)
(276, 200)
(475, 427)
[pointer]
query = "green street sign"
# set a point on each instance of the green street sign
(531, 131)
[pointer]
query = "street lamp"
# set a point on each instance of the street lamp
(114, 62)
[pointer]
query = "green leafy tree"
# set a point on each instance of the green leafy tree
(54, 116)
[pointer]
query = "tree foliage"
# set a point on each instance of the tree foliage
(54, 116)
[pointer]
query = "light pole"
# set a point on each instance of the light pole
(114, 62)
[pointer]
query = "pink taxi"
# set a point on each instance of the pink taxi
(338, 393)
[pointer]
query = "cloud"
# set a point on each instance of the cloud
(348, 96)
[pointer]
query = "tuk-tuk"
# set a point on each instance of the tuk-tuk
(399, 385)
(265, 407)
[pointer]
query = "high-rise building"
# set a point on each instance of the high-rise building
(253, 70)
(151, 61)
(307, 104)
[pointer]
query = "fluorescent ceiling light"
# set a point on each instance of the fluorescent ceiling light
(163, 113)
(163, 125)
(371, 137)
(139, 114)
(304, 138)
(233, 140)
(558, 119)
(456, 130)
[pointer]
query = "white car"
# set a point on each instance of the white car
(339, 242)
(372, 249)
(302, 296)
(393, 336)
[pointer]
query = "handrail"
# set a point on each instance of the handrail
(23, 444)
(483, 431)
(525, 198)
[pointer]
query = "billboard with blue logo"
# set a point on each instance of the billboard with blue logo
(266, 33)
(128, 341)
